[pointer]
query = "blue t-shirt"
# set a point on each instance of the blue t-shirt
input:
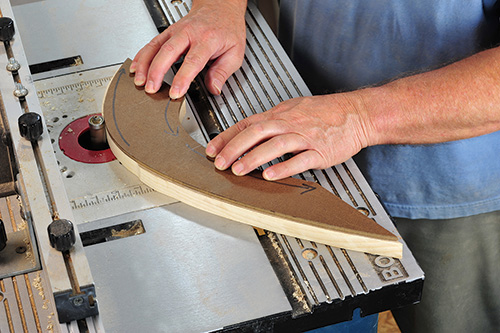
(344, 45)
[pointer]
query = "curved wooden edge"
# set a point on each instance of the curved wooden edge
(274, 223)
(381, 243)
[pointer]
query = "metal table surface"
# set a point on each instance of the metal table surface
(189, 270)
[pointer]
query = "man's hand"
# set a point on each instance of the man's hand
(213, 30)
(455, 102)
(321, 131)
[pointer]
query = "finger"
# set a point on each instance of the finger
(215, 146)
(252, 136)
(268, 151)
(143, 58)
(169, 52)
(194, 61)
(309, 159)
(222, 68)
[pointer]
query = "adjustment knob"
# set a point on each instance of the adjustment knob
(3, 236)
(61, 234)
(7, 30)
(30, 126)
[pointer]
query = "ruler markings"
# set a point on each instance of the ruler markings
(73, 87)
(110, 196)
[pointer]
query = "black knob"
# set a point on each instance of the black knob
(7, 30)
(61, 234)
(3, 236)
(30, 126)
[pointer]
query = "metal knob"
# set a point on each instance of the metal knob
(30, 126)
(13, 65)
(61, 234)
(3, 236)
(7, 30)
(20, 91)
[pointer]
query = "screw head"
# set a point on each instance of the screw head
(78, 301)
(13, 65)
(20, 90)
(21, 249)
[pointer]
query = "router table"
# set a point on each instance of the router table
(140, 261)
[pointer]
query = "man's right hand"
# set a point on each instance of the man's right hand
(213, 30)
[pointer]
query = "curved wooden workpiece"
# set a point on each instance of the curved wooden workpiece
(145, 134)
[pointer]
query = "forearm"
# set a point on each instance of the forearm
(458, 101)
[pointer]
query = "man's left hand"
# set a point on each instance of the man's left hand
(320, 131)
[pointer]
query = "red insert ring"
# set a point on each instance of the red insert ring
(73, 142)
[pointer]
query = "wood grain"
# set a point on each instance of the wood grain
(387, 324)
(145, 134)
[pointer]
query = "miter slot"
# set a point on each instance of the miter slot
(217, 107)
(198, 100)
(56, 64)
(117, 231)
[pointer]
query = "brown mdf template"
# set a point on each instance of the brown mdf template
(145, 134)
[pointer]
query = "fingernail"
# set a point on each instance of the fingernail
(220, 163)
(174, 92)
(210, 151)
(217, 86)
(269, 174)
(139, 79)
(132, 67)
(150, 87)
(237, 168)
